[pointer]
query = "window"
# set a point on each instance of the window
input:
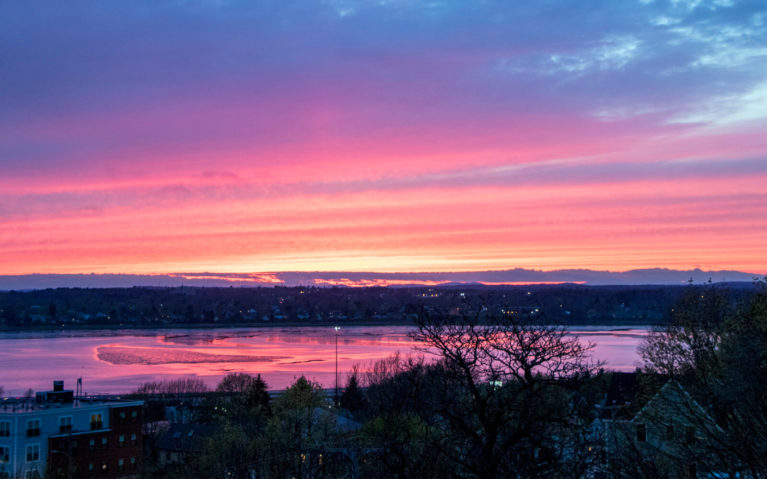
(91, 467)
(103, 467)
(121, 464)
(641, 433)
(104, 441)
(33, 452)
(65, 424)
(92, 444)
(5, 454)
(96, 421)
(122, 440)
(689, 434)
(5, 428)
(133, 462)
(670, 432)
(33, 474)
(33, 427)
(133, 439)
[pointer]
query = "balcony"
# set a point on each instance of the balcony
(96, 425)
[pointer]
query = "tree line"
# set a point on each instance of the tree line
(148, 307)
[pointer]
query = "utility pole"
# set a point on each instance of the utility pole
(336, 396)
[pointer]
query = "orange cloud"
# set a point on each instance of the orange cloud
(367, 283)
(268, 278)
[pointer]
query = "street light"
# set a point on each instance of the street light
(337, 328)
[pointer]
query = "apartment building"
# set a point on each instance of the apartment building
(63, 436)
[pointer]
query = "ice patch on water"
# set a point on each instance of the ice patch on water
(134, 355)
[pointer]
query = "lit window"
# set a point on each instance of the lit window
(96, 422)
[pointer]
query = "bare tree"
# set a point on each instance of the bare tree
(173, 387)
(688, 345)
(234, 383)
(718, 353)
(507, 401)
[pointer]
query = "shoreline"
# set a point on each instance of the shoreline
(209, 326)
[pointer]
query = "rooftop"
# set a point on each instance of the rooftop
(57, 399)
(24, 405)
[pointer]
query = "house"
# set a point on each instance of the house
(70, 436)
(665, 436)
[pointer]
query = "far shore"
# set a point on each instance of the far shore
(260, 325)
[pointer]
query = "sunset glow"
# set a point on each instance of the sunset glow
(398, 136)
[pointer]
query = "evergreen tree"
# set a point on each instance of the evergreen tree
(352, 398)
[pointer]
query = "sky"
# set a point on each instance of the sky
(245, 136)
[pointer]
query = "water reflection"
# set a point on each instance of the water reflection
(119, 361)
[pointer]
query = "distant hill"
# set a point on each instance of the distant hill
(654, 276)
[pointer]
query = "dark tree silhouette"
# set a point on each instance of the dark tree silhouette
(352, 398)
(506, 392)
(234, 383)
(719, 354)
